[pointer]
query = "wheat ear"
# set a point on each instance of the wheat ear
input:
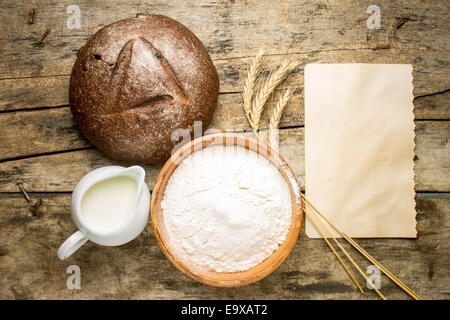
(275, 116)
(267, 89)
(249, 87)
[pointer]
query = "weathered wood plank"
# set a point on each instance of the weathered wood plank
(41, 131)
(52, 92)
(288, 27)
(52, 130)
(34, 92)
(429, 145)
(308, 31)
(31, 270)
(434, 106)
(60, 172)
(28, 93)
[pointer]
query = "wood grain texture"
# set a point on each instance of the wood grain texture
(309, 31)
(60, 172)
(41, 146)
(139, 269)
(286, 27)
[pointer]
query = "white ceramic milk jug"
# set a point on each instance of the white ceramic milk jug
(127, 228)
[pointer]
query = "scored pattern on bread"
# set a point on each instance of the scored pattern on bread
(136, 91)
(119, 73)
(138, 80)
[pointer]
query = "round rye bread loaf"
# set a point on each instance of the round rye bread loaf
(138, 80)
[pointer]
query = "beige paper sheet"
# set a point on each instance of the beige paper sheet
(359, 148)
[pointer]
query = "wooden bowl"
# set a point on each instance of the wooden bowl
(226, 279)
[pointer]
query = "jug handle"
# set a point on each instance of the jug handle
(72, 244)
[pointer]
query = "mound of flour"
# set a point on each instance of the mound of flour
(226, 208)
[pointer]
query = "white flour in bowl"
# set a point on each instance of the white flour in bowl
(226, 208)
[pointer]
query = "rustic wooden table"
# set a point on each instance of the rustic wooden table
(41, 146)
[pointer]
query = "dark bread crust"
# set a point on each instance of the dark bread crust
(136, 81)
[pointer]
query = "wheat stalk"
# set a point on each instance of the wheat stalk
(249, 88)
(267, 89)
(275, 116)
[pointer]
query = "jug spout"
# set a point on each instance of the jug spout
(137, 173)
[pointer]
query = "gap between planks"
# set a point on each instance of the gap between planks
(246, 130)
(39, 108)
(44, 154)
(219, 60)
(419, 194)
